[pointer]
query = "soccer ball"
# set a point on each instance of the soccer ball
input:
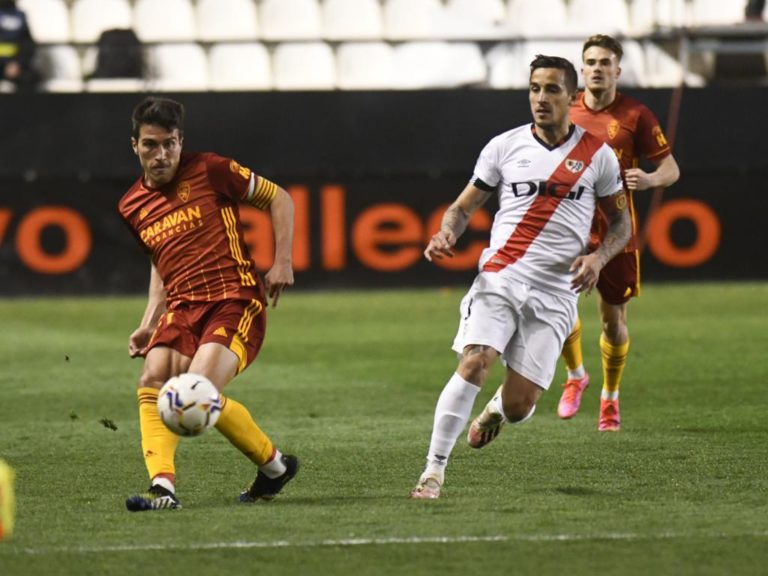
(189, 404)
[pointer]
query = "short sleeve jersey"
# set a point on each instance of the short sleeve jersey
(192, 230)
(633, 131)
(547, 199)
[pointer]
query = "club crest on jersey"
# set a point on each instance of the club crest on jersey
(182, 190)
(238, 169)
(574, 166)
(613, 129)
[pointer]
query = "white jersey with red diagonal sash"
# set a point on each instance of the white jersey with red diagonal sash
(547, 198)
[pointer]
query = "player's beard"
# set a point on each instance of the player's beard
(546, 126)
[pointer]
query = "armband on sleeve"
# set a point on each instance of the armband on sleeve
(262, 194)
(478, 183)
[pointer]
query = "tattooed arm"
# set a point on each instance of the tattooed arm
(588, 267)
(455, 222)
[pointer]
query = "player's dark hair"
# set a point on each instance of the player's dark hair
(604, 41)
(571, 78)
(157, 111)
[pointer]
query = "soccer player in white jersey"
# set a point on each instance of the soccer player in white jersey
(550, 176)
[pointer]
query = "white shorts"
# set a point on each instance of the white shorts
(527, 326)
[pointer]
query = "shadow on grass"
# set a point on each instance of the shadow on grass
(577, 491)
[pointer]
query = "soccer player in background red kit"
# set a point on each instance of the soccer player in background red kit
(632, 130)
(205, 310)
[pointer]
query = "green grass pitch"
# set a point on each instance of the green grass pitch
(348, 381)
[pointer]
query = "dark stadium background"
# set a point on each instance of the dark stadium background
(67, 160)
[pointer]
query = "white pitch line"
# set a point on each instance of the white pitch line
(377, 542)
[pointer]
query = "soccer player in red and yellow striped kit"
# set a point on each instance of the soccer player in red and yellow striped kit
(206, 308)
(632, 130)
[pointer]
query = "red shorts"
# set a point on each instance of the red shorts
(240, 325)
(619, 279)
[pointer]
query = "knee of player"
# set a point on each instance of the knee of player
(149, 380)
(475, 363)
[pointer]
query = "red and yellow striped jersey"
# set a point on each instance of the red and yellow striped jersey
(192, 230)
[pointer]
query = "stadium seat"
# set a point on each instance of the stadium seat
(570, 49)
(352, 20)
(664, 70)
(588, 17)
(60, 68)
(92, 17)
(413, 19)
(291, 20)
(649, 15)
(475, 20)
(510, 63)
(642, 16)
(539, 18)
(118, 53)
(177, 67)
(505, 69)
(245, 66)
(165, 21)
(304, 66)
(435, 64)
(469, 67)
(365, 66)
(220, 20)
(48, 20)
(124, 85)
(716, 12)
(633, 69)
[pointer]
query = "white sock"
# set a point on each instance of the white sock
(578, 373)
(165, 483)
(605, 395)
(451, 416)
(497, 406)
(274, 467)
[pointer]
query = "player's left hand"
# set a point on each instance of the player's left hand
(279, 277)
(587, 271)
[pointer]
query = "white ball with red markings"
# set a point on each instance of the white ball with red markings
(189, 404)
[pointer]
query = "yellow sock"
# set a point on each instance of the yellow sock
(614, 359)
(572, 348)
(157, 441)
(237, 426)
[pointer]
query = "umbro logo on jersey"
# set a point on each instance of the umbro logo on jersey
(524, 163)
(220, 332)
(574, 166)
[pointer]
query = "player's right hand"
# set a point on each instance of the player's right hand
(586, 270)
(440, 246)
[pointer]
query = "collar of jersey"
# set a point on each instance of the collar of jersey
(559, 143)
